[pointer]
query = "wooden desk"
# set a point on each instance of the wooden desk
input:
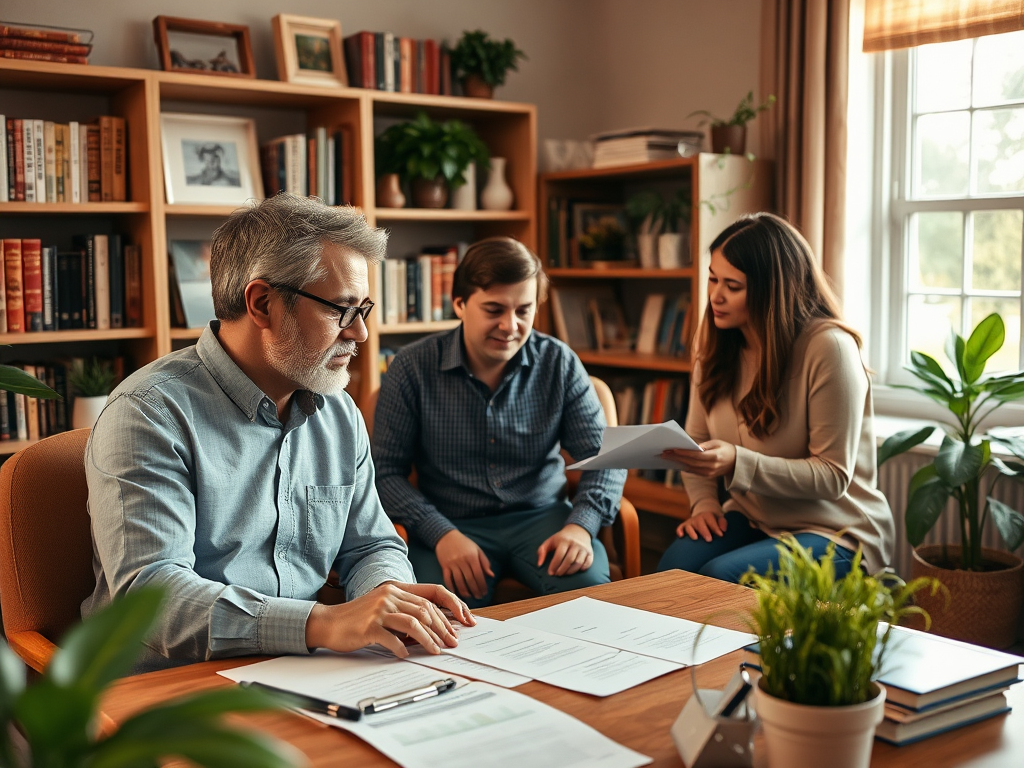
(638, 718)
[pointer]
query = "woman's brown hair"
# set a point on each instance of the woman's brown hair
(786, 290)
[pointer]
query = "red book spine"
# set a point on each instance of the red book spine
(15, 295)
(118, 173)
(40, 34)
(19, 160)
(62, 58)
(367, 47)
(436, 283)
(407, 56)
(431, 79)
(32, 283)
(47, 46)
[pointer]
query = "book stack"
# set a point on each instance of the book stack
(320, 164)
(45, 44)
(418, 288)
(643, 145)
(46, 162)
(934, 684)
(380, 61)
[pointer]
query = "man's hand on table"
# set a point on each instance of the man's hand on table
(385, 612)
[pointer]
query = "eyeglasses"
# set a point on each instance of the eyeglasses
(346, 315)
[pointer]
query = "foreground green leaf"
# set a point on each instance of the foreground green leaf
(985, 340)
(1009, 522)
(902, 442)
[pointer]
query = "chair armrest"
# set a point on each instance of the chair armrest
(630, 522)
(400, 530)
(34, 649)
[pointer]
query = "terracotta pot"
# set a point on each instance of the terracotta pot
(729, 139)
(430, 193)
(474, 86)
(983, 605)
(801, 735)
(389, 191)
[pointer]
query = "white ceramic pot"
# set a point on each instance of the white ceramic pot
(673, 250)
(497, 195)
(819, 737)
(86, 410)
(647, 250)
(464, 198)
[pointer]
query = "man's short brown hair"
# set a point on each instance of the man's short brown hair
(497, 261)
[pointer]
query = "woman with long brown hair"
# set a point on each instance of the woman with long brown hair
(781, 404)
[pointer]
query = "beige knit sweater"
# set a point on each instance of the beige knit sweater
(815, 472)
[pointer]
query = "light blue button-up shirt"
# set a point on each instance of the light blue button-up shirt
(195, 485)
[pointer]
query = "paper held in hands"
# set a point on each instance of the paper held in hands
(639, 447)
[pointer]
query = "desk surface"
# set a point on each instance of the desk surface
(638, 718)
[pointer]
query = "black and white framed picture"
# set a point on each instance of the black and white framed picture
(210, 159)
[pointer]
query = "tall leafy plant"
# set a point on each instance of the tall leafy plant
(478, 54)
(52, 722)
(16, 380)
(423, 148)
(964, 458)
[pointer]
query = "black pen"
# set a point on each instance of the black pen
(382, 703)
(301, 701)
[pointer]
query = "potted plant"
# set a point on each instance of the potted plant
(53, 721)
(821, 652)
(92, 381)
(729, 135)
(664, 222)
(482, 62)
(985, 584)
(431, 156)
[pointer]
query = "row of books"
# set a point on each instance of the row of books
(643, 145)
(418, 288)
(320, 165)
(666, 325)
(383, 62)
(68, 47)
(934, 684)
(651, 402)
(97, 283)
(46, 162)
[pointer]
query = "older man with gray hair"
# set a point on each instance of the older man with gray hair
(236, 474)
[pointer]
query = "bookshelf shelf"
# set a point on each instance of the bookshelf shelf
(213, 211)
(447, 215)
(59, 337)
(635, 360)
(626, 273)
(11, 447)
(428, 327)
(85, 209)
(186, 334)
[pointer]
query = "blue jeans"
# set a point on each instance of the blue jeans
(728, 557)
(510, 542)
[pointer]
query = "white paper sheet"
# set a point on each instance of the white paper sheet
(481, 724)
(639, 447)
(566, 662)
(459, 666)
(632, 629)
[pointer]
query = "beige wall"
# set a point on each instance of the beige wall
(594, 64)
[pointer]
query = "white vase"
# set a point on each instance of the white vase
(646, 246)
(673, 250)
(497, 195)
(464, 198)
(801, 735)
(86, 410)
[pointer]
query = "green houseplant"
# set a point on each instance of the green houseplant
(52, 723)
(976, 577)
(662, 222)
(729, 135)
(482, 62)
(821, 651)
(91, 381)
(430, 155)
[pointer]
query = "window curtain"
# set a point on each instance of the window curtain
(804, 62)
(892, 24)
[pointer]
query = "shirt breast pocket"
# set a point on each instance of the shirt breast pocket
(327, 511)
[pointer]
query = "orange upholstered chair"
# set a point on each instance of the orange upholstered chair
(45, 544)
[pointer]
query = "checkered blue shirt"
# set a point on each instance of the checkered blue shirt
(478, 452)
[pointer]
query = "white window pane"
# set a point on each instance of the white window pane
(999, 69)
(943, 77)
(936, 250)
(941, 155)
(1007, 358)
(999, 150)
(995, 251)
(929, 319)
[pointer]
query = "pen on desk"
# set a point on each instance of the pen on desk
(381, 703)
(309, 702)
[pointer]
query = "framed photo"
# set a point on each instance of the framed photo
(190, 265)
(203, 47)
(600, 232)
(308, 51)
(610, 330)
(209, 159)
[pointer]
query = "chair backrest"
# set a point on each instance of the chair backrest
(45, 537)
(604, 394)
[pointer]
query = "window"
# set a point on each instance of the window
(957, 206)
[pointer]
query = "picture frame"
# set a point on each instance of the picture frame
(210, 159)
(189, 264)
(308, 51)
(600, 236)
(203, 47)
(611, 334)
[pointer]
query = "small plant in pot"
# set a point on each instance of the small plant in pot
(482, 63)
(986, 590)
(432, 156)
(91, 381)
(821, 652)
(729, 135)
(662, 228)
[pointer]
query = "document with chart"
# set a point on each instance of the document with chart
(631, 629)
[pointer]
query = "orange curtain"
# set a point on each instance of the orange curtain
(804, 62)
(892, 24)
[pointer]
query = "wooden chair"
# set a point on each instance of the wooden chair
(621, 539)
(45, 544)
